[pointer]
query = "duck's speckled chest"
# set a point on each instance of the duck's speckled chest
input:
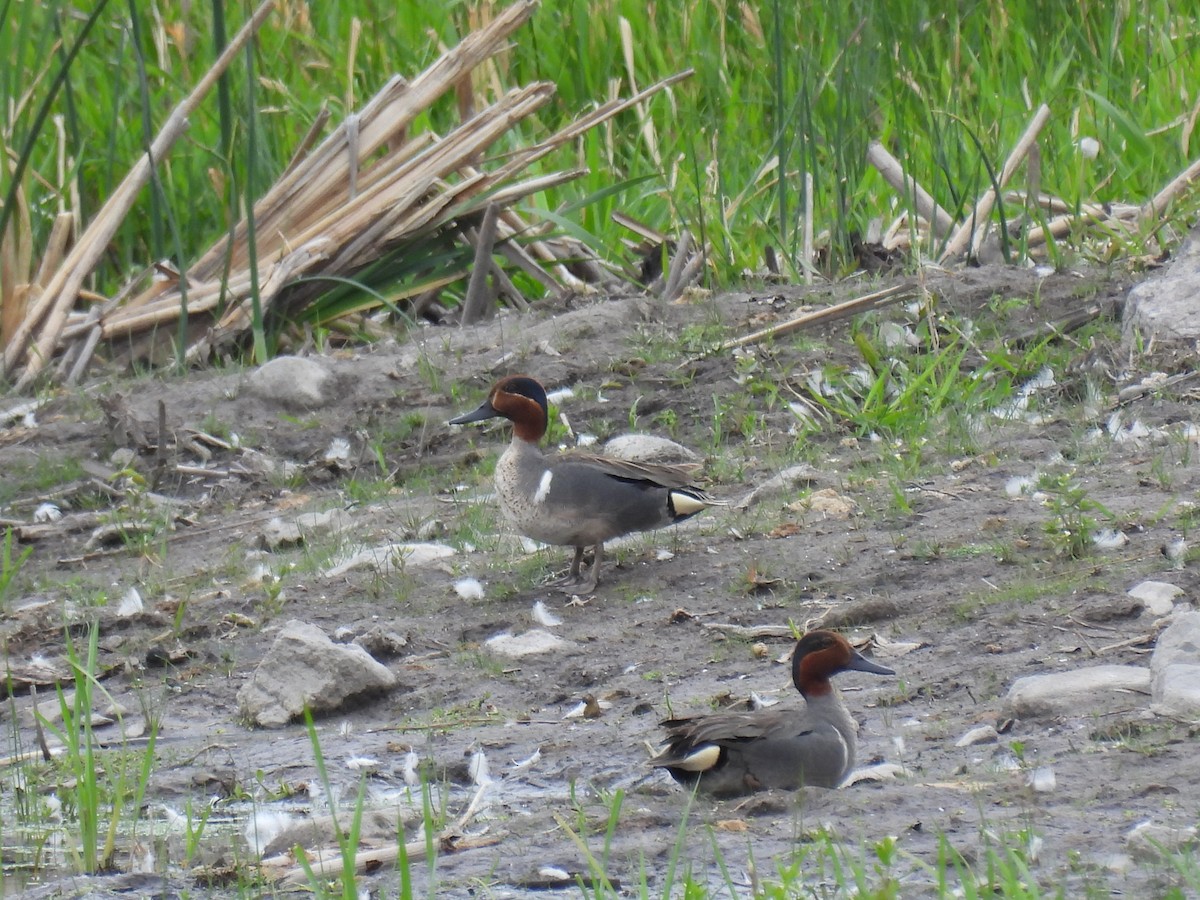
(520, 472)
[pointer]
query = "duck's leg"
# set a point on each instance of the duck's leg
(573, 577)
(575, 564)
(594, 573)
(574, 582)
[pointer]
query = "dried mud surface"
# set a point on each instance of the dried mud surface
(931, 576)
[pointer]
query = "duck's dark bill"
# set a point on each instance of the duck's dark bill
(860, 663)
(485, 411)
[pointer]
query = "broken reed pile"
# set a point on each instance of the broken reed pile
(369, 190)
(1043, 218)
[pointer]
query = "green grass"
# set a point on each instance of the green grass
(779, 89)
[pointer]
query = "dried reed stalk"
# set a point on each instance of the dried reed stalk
(51, 308)
(366, 189)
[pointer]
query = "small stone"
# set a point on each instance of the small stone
(279, 533)
(304, 668)
(382, 642)
(1042, 780)
(1078, 692)
(1175, 669)
(1149, 841)
(530, 643)
(1163, 309)
(785, 481)
(984, 734)
(827, 504)
(1157, 596)
(388, 556)
(293, 382)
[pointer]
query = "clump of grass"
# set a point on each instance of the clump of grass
(814, 87)
(1072, 526)
(11, 561)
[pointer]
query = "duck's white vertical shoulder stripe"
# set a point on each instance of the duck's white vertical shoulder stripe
(543, 487)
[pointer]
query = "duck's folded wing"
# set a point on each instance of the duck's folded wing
(676, 475)
(684, 735)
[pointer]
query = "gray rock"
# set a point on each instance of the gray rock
(278, 533)
(305, 668)
(786, 481)
(531, 643)
(1157, 596)
(1149, 841)
(386, 557)
(1166, 308)
(983, 734)
(1175, 669)
(1079, 692)
(648, 448)
(293, 382)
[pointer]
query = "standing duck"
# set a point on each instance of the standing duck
(737, 753)
(577, 499)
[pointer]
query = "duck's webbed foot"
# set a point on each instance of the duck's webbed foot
(574, 582)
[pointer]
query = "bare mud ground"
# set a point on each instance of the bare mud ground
(946, 559)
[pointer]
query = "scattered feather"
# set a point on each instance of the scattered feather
(131, 603)
(141, 858)
(884, 646)
(757, 701)
(895, 336)
(588, 708)
(478, 769)
(664, 554)
(1109, 539)
(338, 452)
(585, 440)
(264, 826)
(558, 396)
(22, 412)
(47, 512)
(1122, 433)
(553, 873)
(411, 761)
(362, 764)
(1042, 780)
(1021, 485)
(543, 616)
(1007, 762)
(529, 761)
(260, 574)
(469, 588)
(1017, 409)
(881, 772)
